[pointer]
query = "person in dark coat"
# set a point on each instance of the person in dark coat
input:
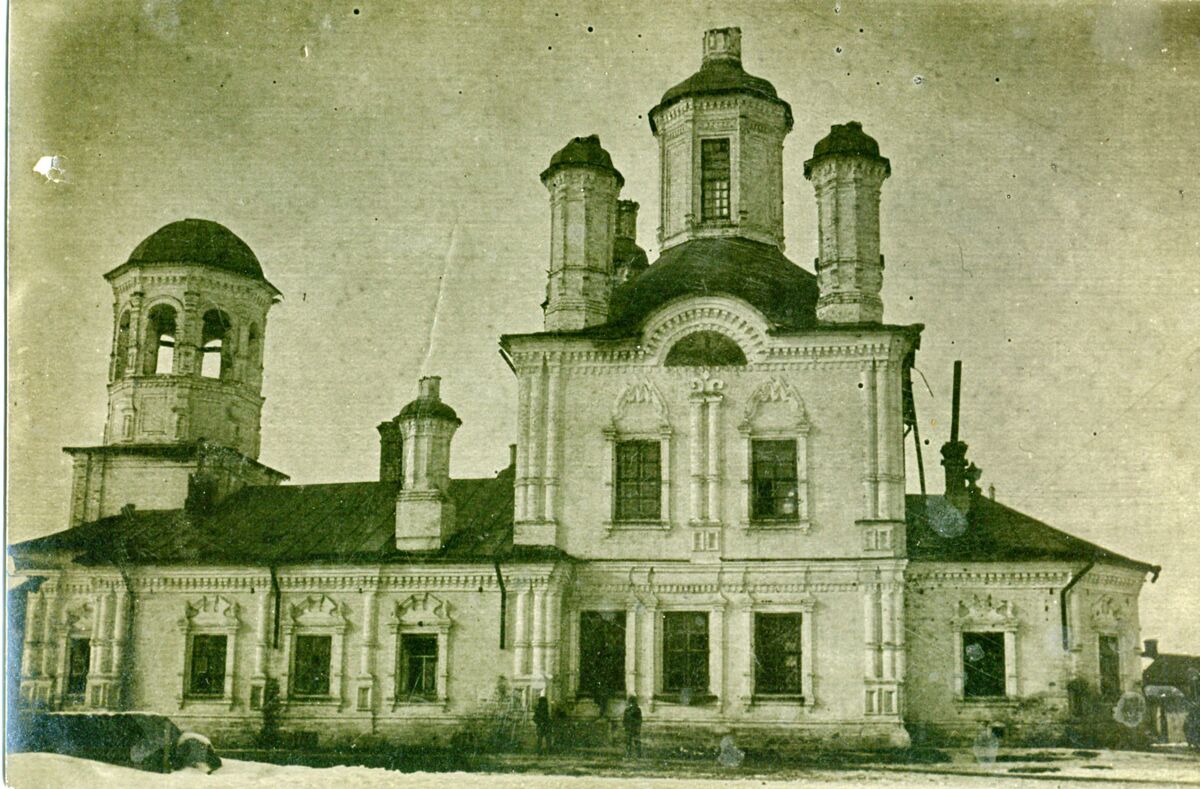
(541, 721)
(633, 727)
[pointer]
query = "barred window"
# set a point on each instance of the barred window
(685, 652)
(207, 675)
(602, 654)
(714, 179)
(639, 481)
(418, 665)
(775, 480)
(310, 675)
(777, 654)
(983, 664)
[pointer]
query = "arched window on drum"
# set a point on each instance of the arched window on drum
(214, 345)
(705, 349)
(160, 340)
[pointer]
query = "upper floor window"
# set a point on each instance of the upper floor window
(778, 654)
(639, 480)
(775, 479)
(705, 349)
(213, 345)
(714, 179)
(160, 336)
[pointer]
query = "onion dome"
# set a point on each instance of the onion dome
(583, 152)
(847, 139)
(428, 404)
(721, 72)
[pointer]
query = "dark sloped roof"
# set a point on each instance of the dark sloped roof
(996, 533)
(290, 524)
(755, 272)
(626, 252)
(1178, 671)
(198, 241)
(721, 75)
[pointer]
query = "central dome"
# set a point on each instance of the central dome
(197, 241)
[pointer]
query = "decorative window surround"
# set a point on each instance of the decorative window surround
(315, 615)
(984, 614)
(776, 412)
(421, 613)
(209, 615)
(78, 621)
(640, 413)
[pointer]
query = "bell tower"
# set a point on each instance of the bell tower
(185, 375)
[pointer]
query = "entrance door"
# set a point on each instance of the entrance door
(79, 656)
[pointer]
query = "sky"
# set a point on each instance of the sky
(1041, 219)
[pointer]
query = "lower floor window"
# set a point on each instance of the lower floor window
(602, 654)
(1110, 668)
(418, 665)
(685, 652)
(207, 675)
(310, 675)
(777, 654)
(79, 656)
(983, 664)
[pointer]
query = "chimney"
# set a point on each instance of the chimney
(847, 173)
(391, 451)
(1150, 649)
(424, 510)
(627, 212)
(961, 476)
(512, 455)
(723, 43)
(583, 187)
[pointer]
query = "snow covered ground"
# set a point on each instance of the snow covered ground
(42, 770)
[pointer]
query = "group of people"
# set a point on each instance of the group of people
(631, 721)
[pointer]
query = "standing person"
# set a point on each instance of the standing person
(633, 727)
(541, 720)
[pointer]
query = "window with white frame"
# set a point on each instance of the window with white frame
(778, 654)
(638, 469)
(420, 627)
(775, 431)
(209, 628)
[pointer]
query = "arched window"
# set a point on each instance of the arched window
(160, 340)
(214, 345)
(705, 349)
(121, 351)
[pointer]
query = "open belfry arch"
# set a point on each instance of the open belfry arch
(706, 502)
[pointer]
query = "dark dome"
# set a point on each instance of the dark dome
(428, 407)
(626, 252)
(846, 139)
(201, 242)
(754, 272)
(721, 75)
(584, 151)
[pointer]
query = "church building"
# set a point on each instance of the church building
(706, 505)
